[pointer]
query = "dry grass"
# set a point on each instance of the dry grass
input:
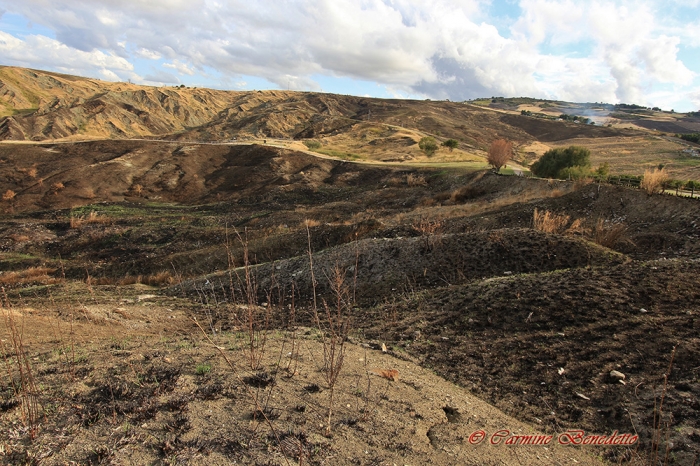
(310, 223)
(608, 235)
(415, 180)
(549, 222)
(56, 187)
(653, 180)
(9, 195)
(91, 218)
(31, 275)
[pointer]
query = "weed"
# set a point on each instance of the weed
(202, 369)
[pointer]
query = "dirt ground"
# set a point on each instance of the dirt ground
(444, 269)
(134, 392)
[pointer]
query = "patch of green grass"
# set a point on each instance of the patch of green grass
(339, 154)
(202, 369)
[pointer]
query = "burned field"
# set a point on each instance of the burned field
(589, 322)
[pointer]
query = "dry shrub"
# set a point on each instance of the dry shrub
(431, 230)
(415, 180)
(17, 238)
(92, 217)
(31, 275)
(56, 187)
(9, 195)
(549, 222)
(310, 223)
(137, 190)
(608, 235)
(581, 182)
(500, 153)
(653, 180)
(164, 278)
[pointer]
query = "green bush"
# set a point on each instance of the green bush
(312, 145)
(428, 145)
(555, 161)
(451, 144)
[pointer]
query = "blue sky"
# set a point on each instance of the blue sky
(645, 52)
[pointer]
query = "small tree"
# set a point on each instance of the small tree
(500, 153)
(451, 144)
(428, 145)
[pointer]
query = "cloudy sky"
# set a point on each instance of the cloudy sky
(643, 51)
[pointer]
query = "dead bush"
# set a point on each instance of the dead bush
(653, 180)
(56, 187)
(415, 180)
(608, 235)
(9, 195)
(549, 222)
(500, 153)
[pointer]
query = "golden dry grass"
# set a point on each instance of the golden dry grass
(653, 180)
(549, 222)
(91, 218)
(31, 275)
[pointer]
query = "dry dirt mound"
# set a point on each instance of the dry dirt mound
(380, 269)
(543, 346)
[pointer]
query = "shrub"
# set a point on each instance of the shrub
(553, 163)
(451, 144)
(653, 180)
(428, 145)
(312, 145)
(500, 153)
(9, 195)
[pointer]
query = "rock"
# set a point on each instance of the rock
(617, 375)
(581, 395)
(561, 371)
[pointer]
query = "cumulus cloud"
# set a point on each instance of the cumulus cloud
(37, 49)
(442, 49)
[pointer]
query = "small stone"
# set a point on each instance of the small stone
(561, 371)
(617, 375)
(581, 395)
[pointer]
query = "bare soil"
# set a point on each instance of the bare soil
(446, 270)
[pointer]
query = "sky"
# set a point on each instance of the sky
(644, 52)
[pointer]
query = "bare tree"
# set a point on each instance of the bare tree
(500, 153)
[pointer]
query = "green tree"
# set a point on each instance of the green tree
(554, 162)
(428, 145)
(451, 144)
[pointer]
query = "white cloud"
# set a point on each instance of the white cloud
(441, 49)
(180, 67)
(52, 54)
